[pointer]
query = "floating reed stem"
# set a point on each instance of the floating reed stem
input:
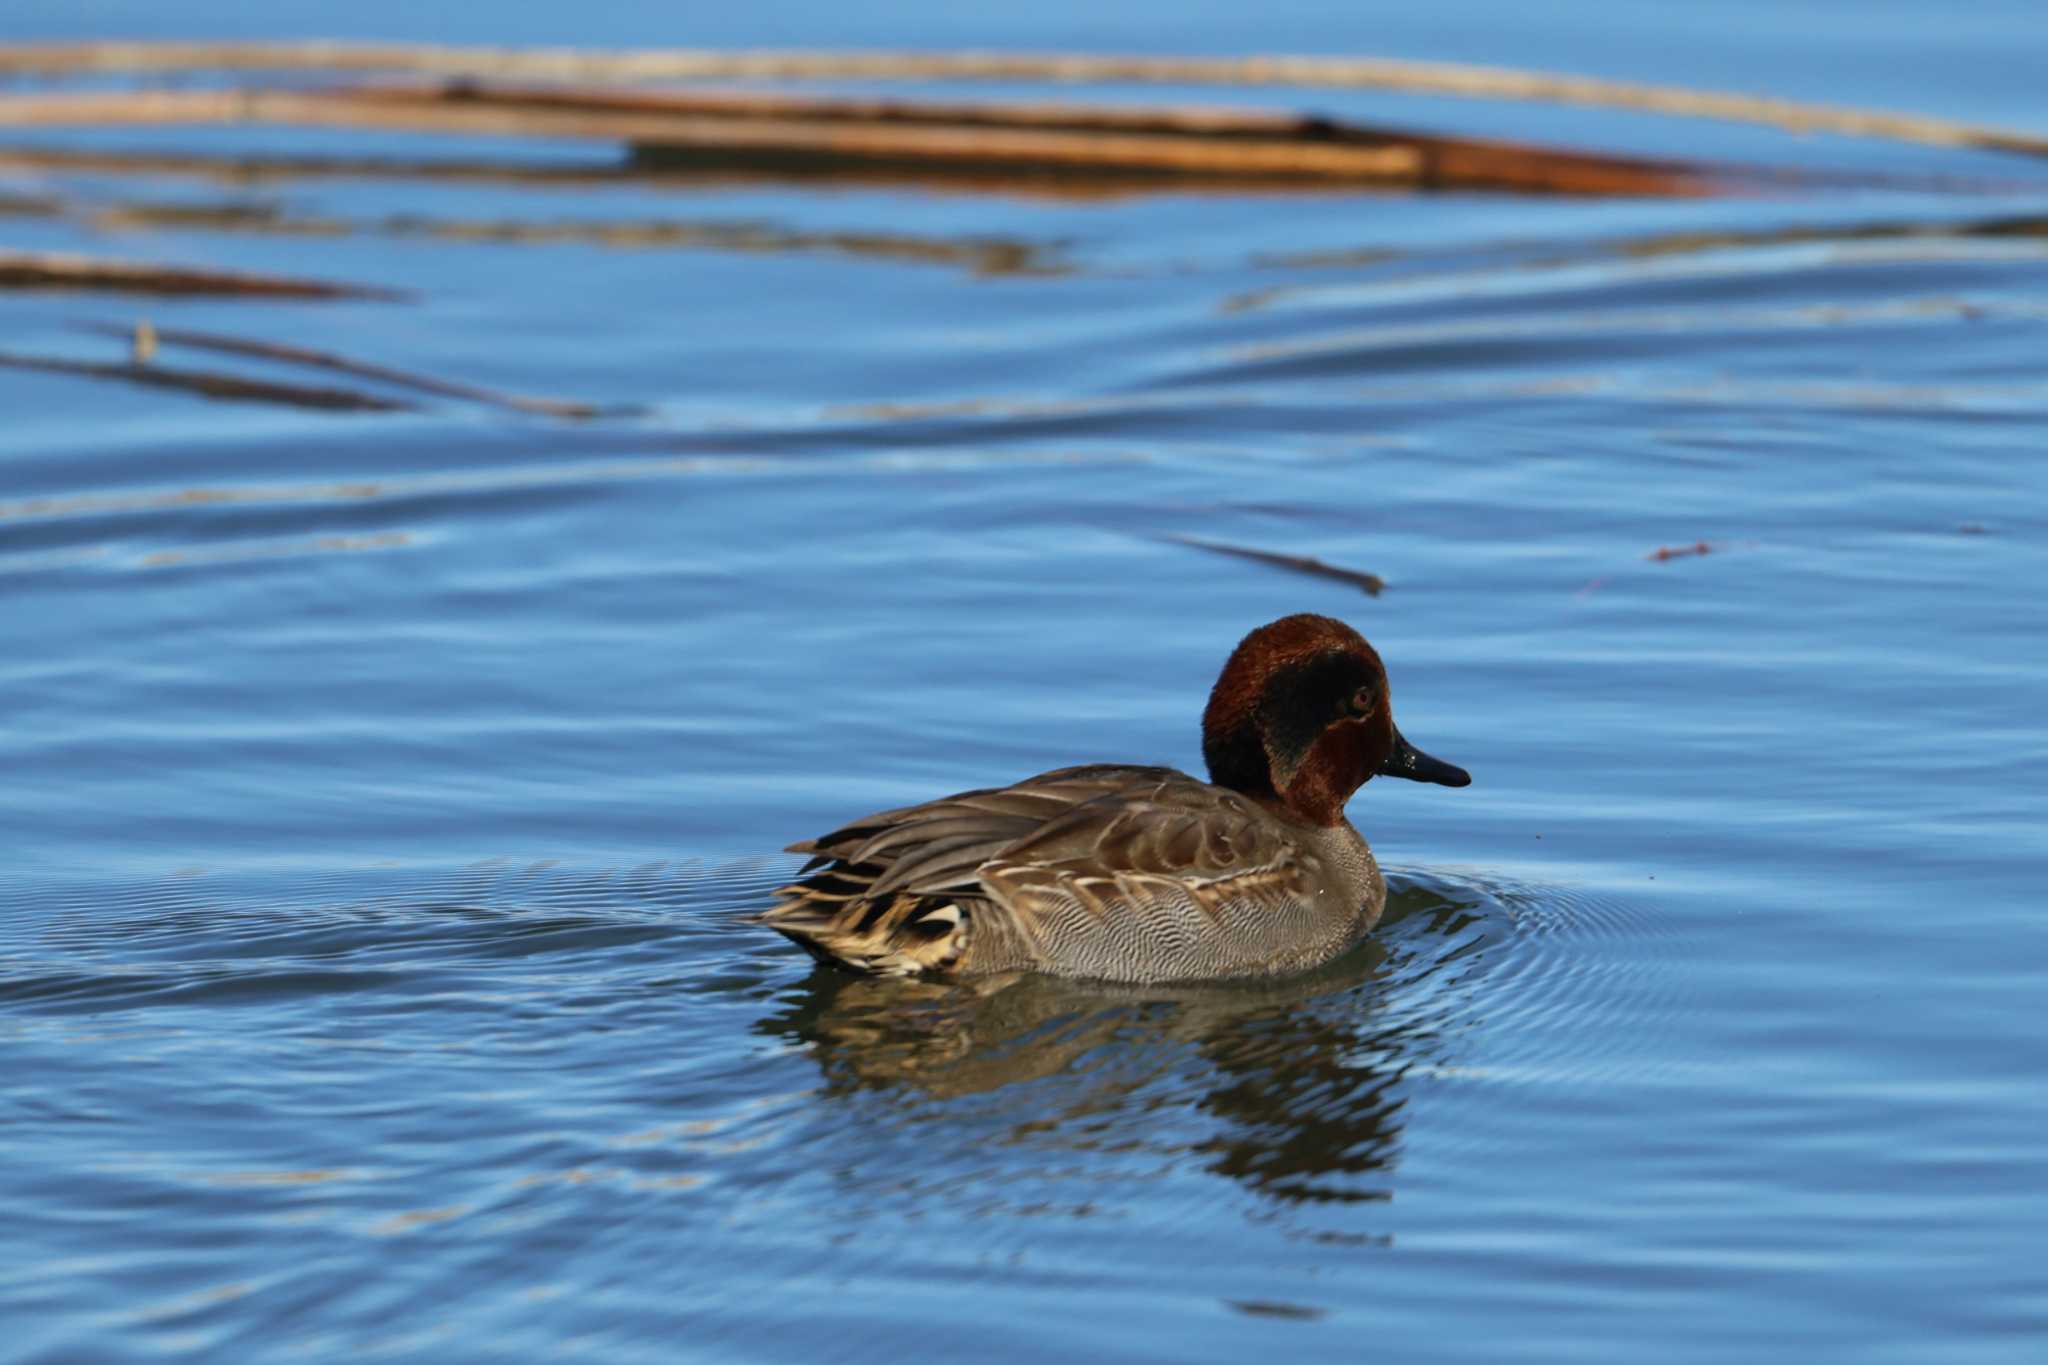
(328, 360)
(810, 133)
(668, 64)
(59, 270)
(1369, 583)
(209, 384)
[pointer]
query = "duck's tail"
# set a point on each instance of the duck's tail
(833, 914)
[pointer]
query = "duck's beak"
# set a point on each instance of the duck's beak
(1405, 760)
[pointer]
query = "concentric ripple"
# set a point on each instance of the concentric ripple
(1298, 1089)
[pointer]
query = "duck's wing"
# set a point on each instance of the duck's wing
(1054, 872)
(890, 893)
(1167, 881)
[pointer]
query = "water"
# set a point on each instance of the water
(387, 793)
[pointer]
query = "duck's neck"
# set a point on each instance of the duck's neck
(1309, 786)
(1336, 765)
(1237, 759)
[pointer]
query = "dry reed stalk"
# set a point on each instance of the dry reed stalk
(56, 270)
(1370, 583)
(210, 384)
(976, 139)
(327, 360)
(1437, 78)
(650, 165)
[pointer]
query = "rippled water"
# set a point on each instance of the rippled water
(389, 793)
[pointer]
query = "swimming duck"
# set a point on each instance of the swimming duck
(1125, 873)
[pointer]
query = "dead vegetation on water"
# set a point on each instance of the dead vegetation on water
(806, 134)
(327, 360)
(656, 132)
(1664, 553)
(1369, 583)
(70, 271)
(574, 66)
(209, 383)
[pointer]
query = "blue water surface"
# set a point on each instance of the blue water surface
(387, 793)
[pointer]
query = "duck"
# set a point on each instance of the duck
(1138, 874)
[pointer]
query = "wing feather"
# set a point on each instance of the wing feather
(1139, 873)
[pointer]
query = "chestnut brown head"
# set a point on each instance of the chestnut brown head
(1301, 716)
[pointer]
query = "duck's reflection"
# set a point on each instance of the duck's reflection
(1293, 1088)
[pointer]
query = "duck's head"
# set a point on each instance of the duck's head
(1301, 716)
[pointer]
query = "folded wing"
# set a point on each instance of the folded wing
(1112, 871)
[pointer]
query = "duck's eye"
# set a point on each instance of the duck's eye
(1364, 701)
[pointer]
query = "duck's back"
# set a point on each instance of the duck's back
(1109, 871)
